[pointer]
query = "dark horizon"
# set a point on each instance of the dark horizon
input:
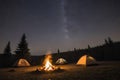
(63, 24)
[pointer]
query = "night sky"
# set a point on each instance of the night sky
(63, 24)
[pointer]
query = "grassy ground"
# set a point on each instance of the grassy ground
(104, 71)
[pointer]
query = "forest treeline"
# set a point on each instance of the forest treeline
(105, 52)
(110, 50)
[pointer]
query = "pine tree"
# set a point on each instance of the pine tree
(22, 50)
(7, 56)
(7, 50)
(110, 40)
(89, 46)
(89, 50)
(58, 51)
(75, 50)
(106, 42)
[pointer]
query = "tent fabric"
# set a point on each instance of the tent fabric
(21, 63)
(86, 60)
(61, 61)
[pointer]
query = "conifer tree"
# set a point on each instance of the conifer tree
(75, 50)
(106, 42)
(89, 46)
(7, 50)
(22, 50)
(58, 51)
(110, 40)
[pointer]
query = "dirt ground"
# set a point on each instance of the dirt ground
(103, 71)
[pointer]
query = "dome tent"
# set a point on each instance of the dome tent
(86, 60)
(61, 61)
(21, 63)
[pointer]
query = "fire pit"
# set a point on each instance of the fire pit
(47, 66)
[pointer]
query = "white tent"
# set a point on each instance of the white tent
(61, 61)
(21, 63)
(86, 60)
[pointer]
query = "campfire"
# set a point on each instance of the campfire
(47, 65)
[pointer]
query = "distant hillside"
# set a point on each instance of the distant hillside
(105, 52)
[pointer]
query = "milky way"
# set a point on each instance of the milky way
(65, 19)
(63, 24)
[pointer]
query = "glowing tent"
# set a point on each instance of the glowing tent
(21, 63)
(86, 60)
(61, 61)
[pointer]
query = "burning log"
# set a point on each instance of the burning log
(47, 65)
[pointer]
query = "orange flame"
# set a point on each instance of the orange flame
(48, 66)
(48, 63)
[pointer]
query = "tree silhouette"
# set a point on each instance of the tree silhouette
(106, 42)
(7, 56)
(89, 46)
(89, 50)
(7, 50)
(58, 51)
(22, 50)
(110, 40)
(75, 50)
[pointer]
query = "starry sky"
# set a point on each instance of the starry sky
(63, 24)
